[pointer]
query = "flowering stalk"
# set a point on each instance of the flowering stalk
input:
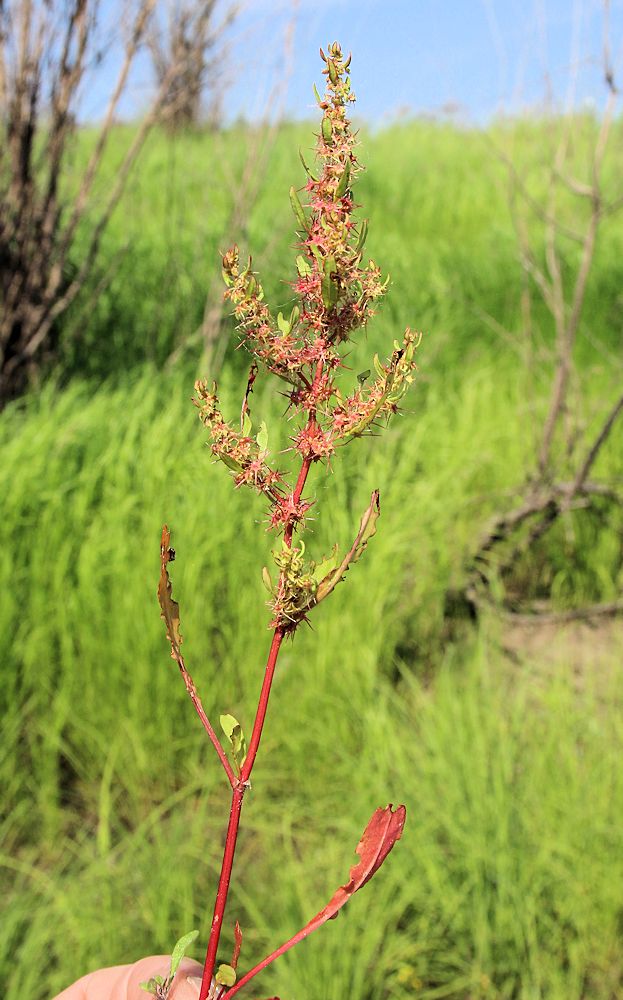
(337, 293)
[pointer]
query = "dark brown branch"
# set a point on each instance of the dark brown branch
(608, 609)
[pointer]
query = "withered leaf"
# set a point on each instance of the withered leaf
(237, 946)
(169, 609)
(367, 528)
(380, 835)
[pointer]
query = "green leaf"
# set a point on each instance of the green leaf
(344, 181)
(367, 528)
(294, 316)
(247, 426)
(151, 985)
(226, 975)
(316, 252)
(231, 463)
(267, 580)
(326, 566)
(317, 95)
(363, 232)
(363, 376)
(297, 208)
(306, 168)
(303, 266)
(180, 950)
(330, 290)
(332, 71)
(262, 436)
(228, 724)
(233, 731)
(283, 324)
(378, 367)
(227, 278)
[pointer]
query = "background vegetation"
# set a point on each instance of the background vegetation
(507, 881)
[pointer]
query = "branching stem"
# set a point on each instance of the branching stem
(240, 786)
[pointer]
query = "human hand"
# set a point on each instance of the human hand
(122, 982)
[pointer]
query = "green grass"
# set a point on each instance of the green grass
(506, 883)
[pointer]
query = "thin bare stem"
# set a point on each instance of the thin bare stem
(207, 725)
(595, 448)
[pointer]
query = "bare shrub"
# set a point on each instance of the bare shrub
(47, 50)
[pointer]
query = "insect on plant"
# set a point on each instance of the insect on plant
(337, 294)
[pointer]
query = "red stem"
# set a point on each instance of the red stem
(234, 815)
(300, 936)
(223, 889)
(245, 774)
(262, 707)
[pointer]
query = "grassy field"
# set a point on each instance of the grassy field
(507, 881)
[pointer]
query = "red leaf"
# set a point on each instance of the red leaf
(380, 835)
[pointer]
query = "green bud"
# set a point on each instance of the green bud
(327, 130)
(332, 72)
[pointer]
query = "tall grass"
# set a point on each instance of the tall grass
(114, 808)
(449, 246)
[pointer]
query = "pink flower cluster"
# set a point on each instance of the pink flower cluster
(336, 294)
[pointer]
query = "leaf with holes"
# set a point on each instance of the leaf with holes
(169, 609)
(367, 528)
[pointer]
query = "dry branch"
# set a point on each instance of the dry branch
(46, 49)
(546, 497)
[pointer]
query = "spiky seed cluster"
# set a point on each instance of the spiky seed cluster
(240, 453)
(337, 293)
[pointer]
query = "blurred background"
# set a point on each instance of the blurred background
(470, 666)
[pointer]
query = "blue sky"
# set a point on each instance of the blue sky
(414, 56)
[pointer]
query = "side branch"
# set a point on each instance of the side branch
(595, 448)
(170, 614)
